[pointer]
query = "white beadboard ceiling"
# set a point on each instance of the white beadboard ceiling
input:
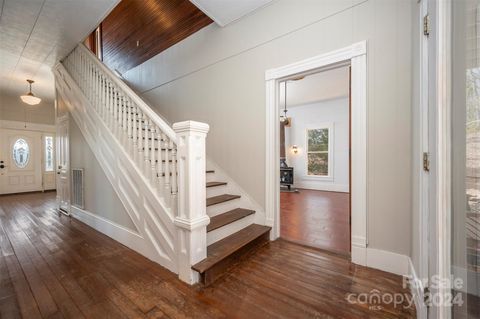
(224, 12)
(35, 34)
(317, 87)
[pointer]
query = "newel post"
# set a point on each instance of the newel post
(191, 219)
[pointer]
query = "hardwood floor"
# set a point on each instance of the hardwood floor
(52, 266)
(316, 219)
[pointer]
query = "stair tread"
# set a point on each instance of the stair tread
(228, 218)
(220, 250)
(213, 184)
(221, 199)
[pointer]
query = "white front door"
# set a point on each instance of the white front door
(20, 161)
(63, 164)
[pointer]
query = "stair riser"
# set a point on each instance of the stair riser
(221, 208)
(211, 177)
(227, 230)
(218, 190)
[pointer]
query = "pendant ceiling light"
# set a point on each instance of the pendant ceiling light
(29, 98)
(283, 118)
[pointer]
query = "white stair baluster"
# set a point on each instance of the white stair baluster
(153, 162)
(140, 138)
(134, 133)
(97, 90)
(160, 170)
(166, 185)
(121, 113)
(125, 117)
(128, 103)
(174, 187)
(115, 109)
(146, 154)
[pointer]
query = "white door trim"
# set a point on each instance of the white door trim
(356, 56)
(424, 192)
(443, 149)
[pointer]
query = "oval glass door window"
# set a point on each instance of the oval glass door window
(21, 153)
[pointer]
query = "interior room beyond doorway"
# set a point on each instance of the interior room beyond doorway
(315, 160)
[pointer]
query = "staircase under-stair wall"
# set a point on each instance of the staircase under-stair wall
(191, 217)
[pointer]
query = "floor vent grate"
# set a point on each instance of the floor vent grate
(78, 199)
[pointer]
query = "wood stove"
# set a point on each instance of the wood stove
(286, 174)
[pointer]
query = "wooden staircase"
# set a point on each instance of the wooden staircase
(226, 252)
(158, 172)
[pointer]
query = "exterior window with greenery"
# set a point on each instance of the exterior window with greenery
(318, 152)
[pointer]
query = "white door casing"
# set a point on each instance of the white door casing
(63, 163)
(424, 196)
(354, 55)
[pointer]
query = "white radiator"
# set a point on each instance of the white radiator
(78, 200)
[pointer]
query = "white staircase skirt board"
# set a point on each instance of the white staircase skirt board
(123, 235)
(145, 208)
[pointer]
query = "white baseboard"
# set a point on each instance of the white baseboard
(123, 235)
(388, 261)
(392, 263)
(381, 259)
(322, 186)
(417, 289)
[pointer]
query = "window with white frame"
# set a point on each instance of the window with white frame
(48, 153)
(318, 151)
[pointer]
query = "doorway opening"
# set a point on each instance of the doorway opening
(315, 159)
(354, 56)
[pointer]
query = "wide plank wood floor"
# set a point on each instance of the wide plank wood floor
(317, 219)
(52, 266)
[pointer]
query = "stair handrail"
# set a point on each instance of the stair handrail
(157, 120)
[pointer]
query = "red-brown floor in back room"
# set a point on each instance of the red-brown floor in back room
(53, 266)
(317, 219)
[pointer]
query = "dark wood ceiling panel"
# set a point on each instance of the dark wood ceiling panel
(154, 24)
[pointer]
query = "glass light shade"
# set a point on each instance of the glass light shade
(30, 99)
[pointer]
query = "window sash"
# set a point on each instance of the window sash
(327, 152)
(49, 153)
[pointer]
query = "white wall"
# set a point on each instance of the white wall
(332, 112)
(100, 198)
(13, 109)
(217, 76)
